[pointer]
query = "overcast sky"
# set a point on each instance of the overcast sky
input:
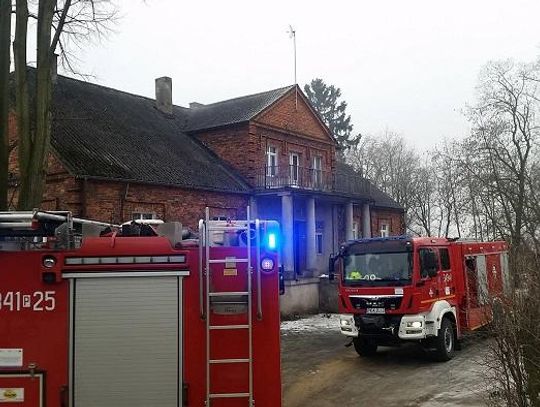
(405, 65)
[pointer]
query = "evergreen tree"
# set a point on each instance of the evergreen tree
(325, 100)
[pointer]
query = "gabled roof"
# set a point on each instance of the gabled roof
(374, 194)
(233, 111)
(99, 132)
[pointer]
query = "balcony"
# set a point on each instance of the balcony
(292, 176)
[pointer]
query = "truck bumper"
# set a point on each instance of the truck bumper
(413, 327)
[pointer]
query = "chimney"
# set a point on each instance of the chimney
(194, 105)
(164, 94)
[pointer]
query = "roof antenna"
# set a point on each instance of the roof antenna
(292, 34)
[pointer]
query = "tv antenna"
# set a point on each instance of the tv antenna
(292, 35)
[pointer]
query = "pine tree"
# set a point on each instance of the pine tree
(325, 100)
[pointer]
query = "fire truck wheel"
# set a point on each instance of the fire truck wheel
(445, 342)
(364, 347)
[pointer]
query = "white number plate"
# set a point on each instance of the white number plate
(375, 311)
(35, 301)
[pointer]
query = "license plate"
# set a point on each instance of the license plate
(375, 311)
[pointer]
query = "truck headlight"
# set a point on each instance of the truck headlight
(414, 324)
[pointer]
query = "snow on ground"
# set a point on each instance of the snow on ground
(312, 323)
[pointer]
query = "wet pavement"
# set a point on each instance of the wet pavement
(318, 371)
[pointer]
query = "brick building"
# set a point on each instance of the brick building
(116, 156)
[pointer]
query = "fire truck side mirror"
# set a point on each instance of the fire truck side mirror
(331, 268)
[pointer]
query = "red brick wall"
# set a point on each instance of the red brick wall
(117, 202)
(287, 143)
(235, 145)
(286, 115)
(290, 129)
(394, 218)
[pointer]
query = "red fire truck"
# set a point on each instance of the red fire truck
(431, 290)
(137, 315)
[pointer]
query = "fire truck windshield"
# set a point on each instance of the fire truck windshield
(377, 269)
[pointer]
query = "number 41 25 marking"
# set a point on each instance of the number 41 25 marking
(36, 301)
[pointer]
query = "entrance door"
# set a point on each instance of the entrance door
(126, 342)
(299, 247)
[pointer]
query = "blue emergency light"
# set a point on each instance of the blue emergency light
(272, 241)
(270, 238)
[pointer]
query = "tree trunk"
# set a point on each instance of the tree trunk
(21, 93)
(33, 182)
(5, 61)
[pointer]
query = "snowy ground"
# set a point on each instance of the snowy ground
(319, 371)
(313, 323)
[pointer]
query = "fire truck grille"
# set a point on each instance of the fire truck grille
(379, 325)
(391, 303)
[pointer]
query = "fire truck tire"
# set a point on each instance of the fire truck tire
(364, 347)
(445, 342)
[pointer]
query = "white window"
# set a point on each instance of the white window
(317, 171)
(294, 164)
(319, 242)
(271, 161)
(385, 230)
(144, 215)
(355, 233)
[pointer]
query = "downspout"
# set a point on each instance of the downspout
(84, 202)
(123, 200)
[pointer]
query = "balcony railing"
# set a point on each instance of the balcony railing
(292, 176)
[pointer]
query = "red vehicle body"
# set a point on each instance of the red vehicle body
(124, 321)
(431, 290)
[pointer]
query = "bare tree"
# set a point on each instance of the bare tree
(5, 62)
(58, 21)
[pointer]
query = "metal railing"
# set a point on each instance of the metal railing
(291, 176)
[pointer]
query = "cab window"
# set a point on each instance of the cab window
(429, 262)
(445, 259)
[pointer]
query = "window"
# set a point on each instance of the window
(385, 230)
(143, 215)
(294, 163)
(319, 242)
(271, 161)
(429, 263)
(445, 259)
(355, 233)
(317, 171)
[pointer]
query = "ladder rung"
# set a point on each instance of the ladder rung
(228, 293)
(228, 395)
(219, 261)
(218, 361)
(225, 228)
(229, 327)
(229, 302)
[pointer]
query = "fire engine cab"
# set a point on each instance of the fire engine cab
(431, 290)
(138, 315)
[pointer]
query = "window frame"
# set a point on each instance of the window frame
(319, 243)
(294, 169)
(317, 169)
(272, 161)
(142, 215)
(384, 229)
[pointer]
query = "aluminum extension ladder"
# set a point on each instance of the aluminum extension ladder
(205, 261)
